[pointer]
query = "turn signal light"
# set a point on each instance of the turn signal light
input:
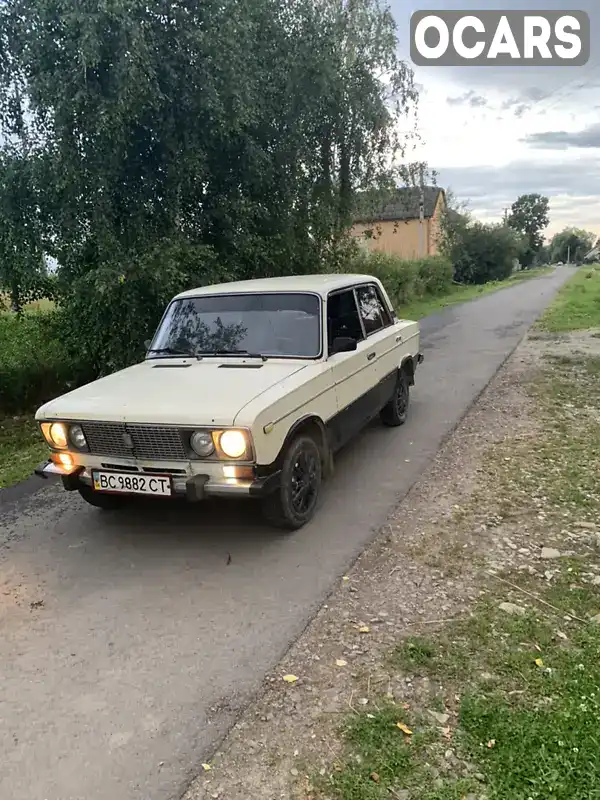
(64, 460)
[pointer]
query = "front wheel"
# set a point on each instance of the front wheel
(395, 411)
(107, 502)
(294, 503)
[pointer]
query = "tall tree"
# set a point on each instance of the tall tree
(230, 123)
(529, 215)
(181, 142)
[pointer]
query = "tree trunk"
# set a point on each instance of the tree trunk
(15, 299)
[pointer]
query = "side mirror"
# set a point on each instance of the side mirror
(147, 343)
(343, 344)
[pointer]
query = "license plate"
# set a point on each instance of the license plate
(132, 483)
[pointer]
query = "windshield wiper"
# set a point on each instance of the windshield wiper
(173, 351)
(244, 353)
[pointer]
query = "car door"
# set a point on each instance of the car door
(353, 373)
(381, 343)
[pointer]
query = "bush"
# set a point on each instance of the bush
(406, 280)
(435, 274)
(34, 364)
(480, 253)
(110, 310)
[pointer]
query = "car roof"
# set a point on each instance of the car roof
(320, 284)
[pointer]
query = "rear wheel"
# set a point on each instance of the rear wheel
(294, 503)
(107, 502)
(394, 413)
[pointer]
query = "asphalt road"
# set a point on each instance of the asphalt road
(128, 643)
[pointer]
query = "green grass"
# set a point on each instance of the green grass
(523, 692)
(461, 294)
(385, 759)
(540, 705)
(527, 714)
(21, 449)
(577, 306)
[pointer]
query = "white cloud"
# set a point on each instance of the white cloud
(570, 182)
(496, 132)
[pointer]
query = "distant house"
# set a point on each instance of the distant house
(593, 255)
(399, 227)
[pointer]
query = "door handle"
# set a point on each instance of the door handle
(398, 338)
(371, 356)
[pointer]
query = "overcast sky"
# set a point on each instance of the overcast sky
(496, 132)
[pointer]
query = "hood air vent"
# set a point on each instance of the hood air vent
(240, 366)
(171, 366)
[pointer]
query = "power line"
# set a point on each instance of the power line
(561, 89)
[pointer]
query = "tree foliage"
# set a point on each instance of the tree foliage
(23, 273)
(479, 252)
(529, 216)
(244, 126)
(571, 244)
(232, 134)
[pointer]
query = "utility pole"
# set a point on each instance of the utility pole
(421, 218)
(421, 209)
(568, 254)
(505, 215)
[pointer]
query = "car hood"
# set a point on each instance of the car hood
(172, 391)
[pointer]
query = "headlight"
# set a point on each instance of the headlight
(202, 443)
(77, 437)
(233, 444)
(57, 434)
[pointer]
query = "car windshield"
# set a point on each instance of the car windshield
(274, 324)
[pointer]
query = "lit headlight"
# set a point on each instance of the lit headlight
(233, 443)
(56, 434)
(202, 443)
(77, 437)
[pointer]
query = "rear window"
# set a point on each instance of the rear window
(372, 309)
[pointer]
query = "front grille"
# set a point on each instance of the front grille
(135, 441)
(106, 438)
(150, 442)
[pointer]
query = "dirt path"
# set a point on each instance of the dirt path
(466, 522)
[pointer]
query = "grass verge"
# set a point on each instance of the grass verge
(21, 449)
(461, 294)
(513, 692)
(577, 306)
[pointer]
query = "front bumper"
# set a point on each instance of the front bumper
(191, 487)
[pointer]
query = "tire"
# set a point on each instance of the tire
(294, 503)
(107, 502)
(395, 412)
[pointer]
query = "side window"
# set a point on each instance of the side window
(342, 317)
(375, 315)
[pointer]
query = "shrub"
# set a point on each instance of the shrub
(405, 279)
(111, 309)
(480, 253)
(435, 274)
(34, 364)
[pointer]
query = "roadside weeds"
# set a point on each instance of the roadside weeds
(460, 657)
(21, 449)
(576, 305)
